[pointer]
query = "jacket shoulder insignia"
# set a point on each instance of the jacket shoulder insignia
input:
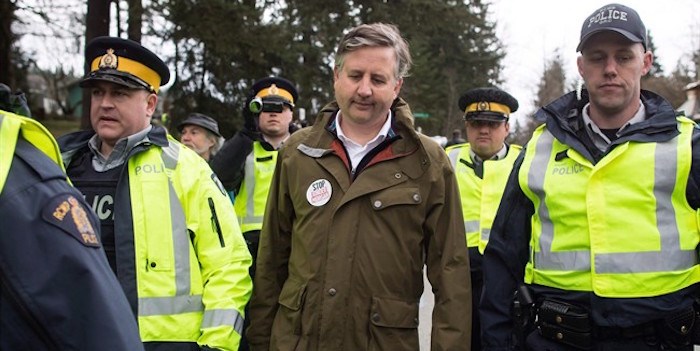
(66, 212)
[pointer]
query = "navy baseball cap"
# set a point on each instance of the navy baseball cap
(617, 18)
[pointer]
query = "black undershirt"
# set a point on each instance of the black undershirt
(610, 133)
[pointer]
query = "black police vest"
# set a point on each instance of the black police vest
(99, 189)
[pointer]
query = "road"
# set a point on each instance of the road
(424, 315)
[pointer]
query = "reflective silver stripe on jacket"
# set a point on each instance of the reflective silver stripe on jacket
(182, 302)
(454, 156)
(250, 217)
(627, 262)
(158, 306)
(229, 317)
(666, 160)
(485, 234)
(545, 258)
(471, 226)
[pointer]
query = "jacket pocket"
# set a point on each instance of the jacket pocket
(291, 299)
(393, 324)
(395, 196)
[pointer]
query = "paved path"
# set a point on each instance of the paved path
(425, 313)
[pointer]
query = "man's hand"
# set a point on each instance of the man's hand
(250, 123)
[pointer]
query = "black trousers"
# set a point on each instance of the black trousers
(475, 261)
(252, 239)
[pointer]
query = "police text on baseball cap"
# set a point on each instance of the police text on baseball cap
(614, 17)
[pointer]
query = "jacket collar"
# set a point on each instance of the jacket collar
(318, 141)
(564, 120)
(72, 143)
(323, 129)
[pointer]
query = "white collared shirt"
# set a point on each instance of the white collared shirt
(356, 151)
(600, 140)
(120, 151)
(499, 155)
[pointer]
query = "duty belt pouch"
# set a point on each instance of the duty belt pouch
(695, 335)
(581, 341)
(678, 329)
(565, 323)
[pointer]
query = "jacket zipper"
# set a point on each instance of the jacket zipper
(215, 222)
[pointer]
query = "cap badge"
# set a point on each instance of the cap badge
(109, 60)
(274, 90)
(483, 106)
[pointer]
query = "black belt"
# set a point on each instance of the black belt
(572, 325)
(636, 331)
(585, 340)
(565, 323)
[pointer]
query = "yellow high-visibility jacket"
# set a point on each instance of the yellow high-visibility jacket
(31, 130)
(627, 252)
(480, 197)
(184, 263)
(251, 200)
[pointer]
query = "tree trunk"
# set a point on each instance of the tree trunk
(7, 16)
(135, 20)
(97, 24)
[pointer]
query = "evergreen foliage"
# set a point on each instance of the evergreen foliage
(227, 45)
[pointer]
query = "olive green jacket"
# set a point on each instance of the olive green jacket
(340, 260)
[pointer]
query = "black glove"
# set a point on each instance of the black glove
(250, 122)
(19, 104)
(13, 102)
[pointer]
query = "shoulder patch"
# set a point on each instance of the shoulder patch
(66, 212)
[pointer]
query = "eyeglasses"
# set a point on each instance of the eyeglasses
(477, 123)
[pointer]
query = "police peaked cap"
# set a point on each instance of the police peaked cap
(488, 104)
(276, 89)
(124, 62)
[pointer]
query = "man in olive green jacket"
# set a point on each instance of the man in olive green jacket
(359, 203)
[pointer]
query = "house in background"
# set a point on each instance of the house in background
(50, 97)
(74, 97)
(691, 106)
(40, 102)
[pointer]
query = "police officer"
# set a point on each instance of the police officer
(247, 162)
(56, 289)
(600, 215)
(200, 133)
(168, 229)
(482, 167)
